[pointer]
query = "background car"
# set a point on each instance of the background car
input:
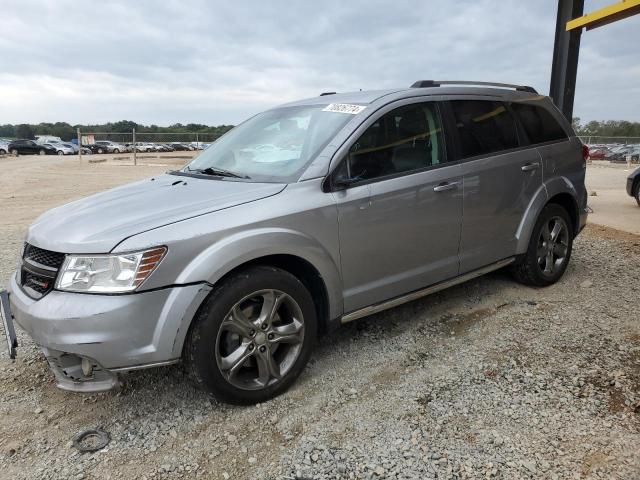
(107, 146)
(4, 147)
(61, 148)
(633, 185)
(180, 147)
(26, 147)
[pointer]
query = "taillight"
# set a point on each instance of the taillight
(585, 152)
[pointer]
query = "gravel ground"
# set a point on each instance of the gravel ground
(488, 379)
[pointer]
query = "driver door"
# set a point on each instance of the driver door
(400, 212)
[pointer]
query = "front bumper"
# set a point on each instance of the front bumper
(112, 332)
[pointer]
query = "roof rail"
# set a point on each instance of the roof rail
(437, 83)
(327, 93)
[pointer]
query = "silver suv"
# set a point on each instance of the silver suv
(302, 218)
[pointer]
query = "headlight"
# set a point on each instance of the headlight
(117, 273)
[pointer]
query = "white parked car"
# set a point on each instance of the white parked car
(61, 148)
(42, 139)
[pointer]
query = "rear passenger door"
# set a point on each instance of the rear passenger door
(500, 178)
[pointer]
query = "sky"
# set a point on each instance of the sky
(218, 62)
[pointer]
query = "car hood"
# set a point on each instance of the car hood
(96, 224)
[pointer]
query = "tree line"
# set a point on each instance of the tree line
(607, 128)
(67, 132)
(595, 128)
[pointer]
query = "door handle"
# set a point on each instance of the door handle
(530, 166)
(443, 187)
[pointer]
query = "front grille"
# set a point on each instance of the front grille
(43, 257)
(39, 270)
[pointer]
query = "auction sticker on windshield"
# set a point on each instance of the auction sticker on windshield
(344, 108)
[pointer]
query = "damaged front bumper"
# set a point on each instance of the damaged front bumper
(88, 338)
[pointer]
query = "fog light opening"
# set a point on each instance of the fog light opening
(87, 367)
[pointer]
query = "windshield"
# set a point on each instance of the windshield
(274, 146)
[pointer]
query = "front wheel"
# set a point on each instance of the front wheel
(549, 249)
(637, 194)
(42, 152)
(14, 152)
(60, 152)
(252, 337)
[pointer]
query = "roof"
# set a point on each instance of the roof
(371, 96)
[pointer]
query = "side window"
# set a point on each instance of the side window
(484, 127)
(405, 139)
(538, 123)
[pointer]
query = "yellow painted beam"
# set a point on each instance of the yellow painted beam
(606, 15)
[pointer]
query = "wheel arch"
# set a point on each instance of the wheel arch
(558, 190)
(291, 251)
(297, 266)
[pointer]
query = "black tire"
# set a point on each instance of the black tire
(100, 150)
(528, 269)
(14, 152)
(60, 152)
(42, 152)
(202, 361)
(115, 150)
(637, 192)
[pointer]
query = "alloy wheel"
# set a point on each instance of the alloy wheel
(260, 339)
(553, 245)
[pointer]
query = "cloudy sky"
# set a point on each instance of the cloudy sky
(216, 62)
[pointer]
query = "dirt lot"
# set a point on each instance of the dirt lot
(608, 198)
(485, 380)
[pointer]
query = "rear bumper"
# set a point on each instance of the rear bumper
(582, 220)
(111, 332)
(630, 186)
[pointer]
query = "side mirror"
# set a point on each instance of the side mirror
(342, 183)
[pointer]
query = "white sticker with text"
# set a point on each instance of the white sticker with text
(344, 108)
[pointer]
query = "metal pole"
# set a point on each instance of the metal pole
(564, 68)
(135, 158)
(79, 145)
(197, 142)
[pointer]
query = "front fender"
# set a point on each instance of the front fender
(239, 248)
(548, 190)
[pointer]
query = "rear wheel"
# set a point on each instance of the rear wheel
(60, 152)
(42, 152)
(252, 336)
(637, 193)
(14, 152)
(549, 249)
(115, 150)
(100, 150)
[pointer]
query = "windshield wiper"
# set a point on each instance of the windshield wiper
(217, 172)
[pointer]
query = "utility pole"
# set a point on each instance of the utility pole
(564, 69)
(135, 158)
(79, 144)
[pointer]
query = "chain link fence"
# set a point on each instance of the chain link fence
(134, 145)
(600, 140)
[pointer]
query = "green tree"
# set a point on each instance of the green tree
(25, 131)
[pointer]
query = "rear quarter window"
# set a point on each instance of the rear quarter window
(538, 123)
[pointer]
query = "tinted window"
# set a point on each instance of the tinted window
(405, 139)
(538, 123)
(484, 127)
